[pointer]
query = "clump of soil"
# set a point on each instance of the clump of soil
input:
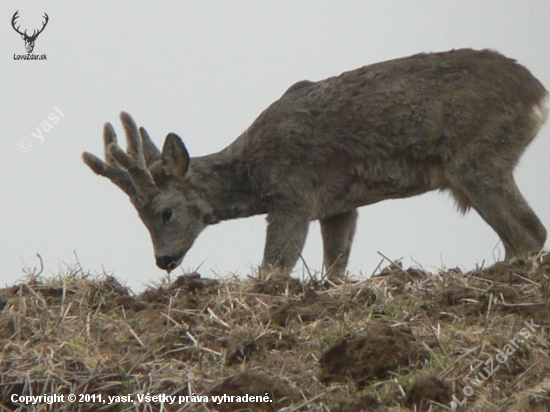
(428, 388)
(374, 354)
(306, 309)
(241, 349)
(275, 391)
(275, 283)
(362, 402)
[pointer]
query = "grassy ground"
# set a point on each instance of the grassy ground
(402, 340)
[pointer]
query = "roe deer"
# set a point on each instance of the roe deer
(457, 120)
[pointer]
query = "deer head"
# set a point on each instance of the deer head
(158, 185)
(29, 40)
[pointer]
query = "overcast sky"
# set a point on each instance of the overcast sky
(205, 70)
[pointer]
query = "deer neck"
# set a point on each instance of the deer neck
(224, 185)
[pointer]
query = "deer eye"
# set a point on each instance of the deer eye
(166, 215)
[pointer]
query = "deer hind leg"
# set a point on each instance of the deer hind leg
(499, 202)
(286, 236)
(337, 232)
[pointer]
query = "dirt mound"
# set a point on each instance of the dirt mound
(274, 392)
(381, 349)
(428, 388)
(307, 308)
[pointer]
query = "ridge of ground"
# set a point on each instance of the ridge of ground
(402, 340)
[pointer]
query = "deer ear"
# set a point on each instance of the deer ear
(175, 158)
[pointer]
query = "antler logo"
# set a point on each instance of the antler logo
(29, 40)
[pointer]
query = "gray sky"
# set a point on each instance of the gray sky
(205, 70)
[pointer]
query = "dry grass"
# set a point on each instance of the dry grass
(402, 340)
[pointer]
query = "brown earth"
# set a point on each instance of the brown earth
(404, 340)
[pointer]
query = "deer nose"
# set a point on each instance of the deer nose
(167, 262)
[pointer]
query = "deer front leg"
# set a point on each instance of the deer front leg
(286, 235)
(337, 232)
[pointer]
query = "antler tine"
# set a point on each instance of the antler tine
(109, 137)
(140, 176)
(115, 175)
(124, 169)
(150, 150)
(132, 161)
(133, 139)
(110, 169)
